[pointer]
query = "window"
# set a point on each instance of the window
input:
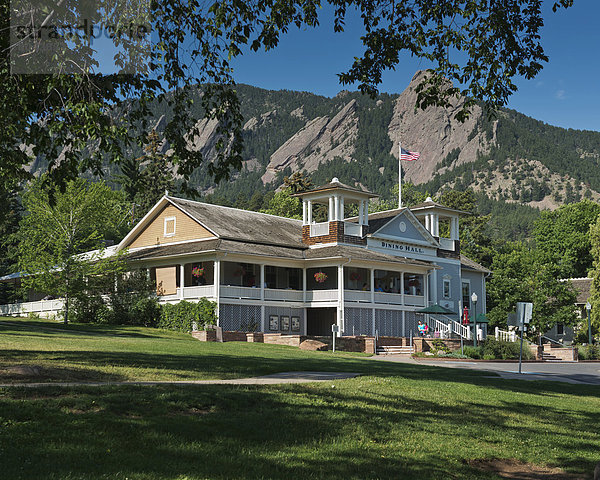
(447, 288)
(560, 329)
(466, 294)
(413, 284)
(169, 226)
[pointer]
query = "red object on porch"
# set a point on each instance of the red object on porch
(465, 316)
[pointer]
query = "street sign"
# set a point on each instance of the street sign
(524, 312)
(335, 328)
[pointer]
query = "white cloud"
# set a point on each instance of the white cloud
(560, 95)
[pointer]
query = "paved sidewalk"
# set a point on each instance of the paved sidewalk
(274, 379)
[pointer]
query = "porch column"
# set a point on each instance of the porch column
(372, 270)
(330, 210)
(434, 290)
(403, 323)
(336, 208)
(181, 280)
(341, 216)
(361, 213)
(262, 282)
(309, 206)
(304, 217)
(340, 310)
(304, 285)
(216, 287)
(402, 287)
(427, 223)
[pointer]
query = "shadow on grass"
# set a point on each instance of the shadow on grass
(46, 328)
(239, 360)
(359, 430)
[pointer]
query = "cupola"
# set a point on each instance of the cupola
(334, 196)
(440, 220)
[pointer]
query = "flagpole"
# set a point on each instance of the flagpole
(400, 175)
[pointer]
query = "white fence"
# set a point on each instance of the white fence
(505, 336)
(42, 307)
(352, 229)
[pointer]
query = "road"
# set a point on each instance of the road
(587, 373)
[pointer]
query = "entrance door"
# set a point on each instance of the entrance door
(319, 321)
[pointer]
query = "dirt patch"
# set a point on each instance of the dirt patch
(517, 470)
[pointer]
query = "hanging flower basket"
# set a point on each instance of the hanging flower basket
(320, 277)
(354, 276)
(413, 282)
(198, 272)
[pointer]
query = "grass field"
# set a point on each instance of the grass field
(395, 421)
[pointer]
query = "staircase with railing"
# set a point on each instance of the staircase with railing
(447, 327)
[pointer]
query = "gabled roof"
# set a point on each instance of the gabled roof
(229, 223)
(582, 286)
(236, 224)
(378, 220)
(466, 262)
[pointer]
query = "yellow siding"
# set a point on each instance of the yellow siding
(185, 229)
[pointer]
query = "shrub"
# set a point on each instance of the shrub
(180, 316)
(438, 347)
(589, 352)
(473, 352)
(496, 349)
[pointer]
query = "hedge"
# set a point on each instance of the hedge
(180, 316)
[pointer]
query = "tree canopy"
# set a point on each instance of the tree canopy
(72, 118)
(563, 237)
(53, 235)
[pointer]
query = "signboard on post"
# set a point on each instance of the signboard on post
(524, 313)
(334, 330)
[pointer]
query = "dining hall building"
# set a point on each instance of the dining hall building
(369, 274)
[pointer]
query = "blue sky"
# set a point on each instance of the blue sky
(566, 93)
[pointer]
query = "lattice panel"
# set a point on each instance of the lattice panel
(411, 320)
(388, 323)
(358, 321)
(243, 318)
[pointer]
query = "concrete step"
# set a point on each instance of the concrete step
(395, 350)
(548, 357)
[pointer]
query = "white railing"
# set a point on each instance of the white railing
(391, 298)
(199, 291)
(505, 336)
(240, 292)
(321, 295)
(436, 325)
(414, 300)
(447, 244)
(283, 295)
(319, 229)
(41, 306)
(352, 229)
(357, 296)
(461, 330)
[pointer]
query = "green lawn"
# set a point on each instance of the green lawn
(396, 421)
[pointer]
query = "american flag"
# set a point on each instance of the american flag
(409, 156)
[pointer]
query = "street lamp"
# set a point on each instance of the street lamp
(588, 307)
(474, 300)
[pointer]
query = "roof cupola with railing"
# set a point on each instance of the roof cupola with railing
(441, 222)
(329, 202)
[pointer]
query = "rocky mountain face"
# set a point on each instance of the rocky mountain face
(510, 157)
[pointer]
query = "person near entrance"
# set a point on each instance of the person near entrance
(422, 328)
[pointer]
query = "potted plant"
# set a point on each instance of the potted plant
(320, 277)
(198, 272)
